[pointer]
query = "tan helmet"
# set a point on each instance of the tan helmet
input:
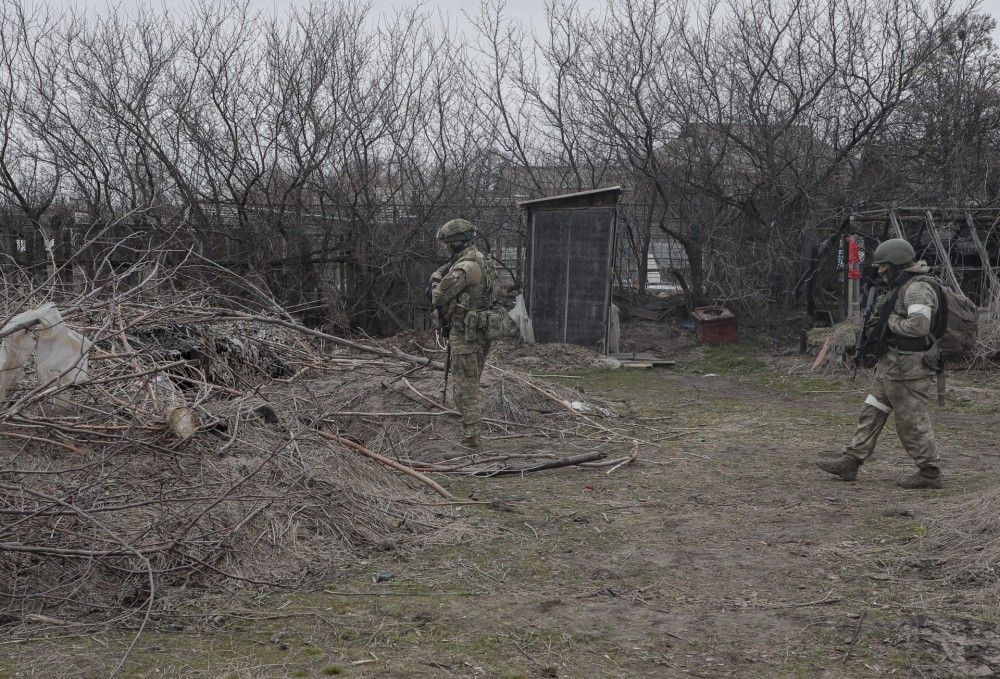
(456, 229)
(895, 251)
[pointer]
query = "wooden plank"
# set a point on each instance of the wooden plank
(984, 255)
(822, 355)
(943, 256)
(633, 365)
(644, 357)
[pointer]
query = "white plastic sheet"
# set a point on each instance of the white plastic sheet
(519, 314)
(17, 348)
(63, 355)
(14, 356)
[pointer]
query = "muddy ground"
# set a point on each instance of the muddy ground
(724, 552)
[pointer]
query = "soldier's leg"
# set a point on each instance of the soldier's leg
(913, 424)
(468, 369)
(871, 421)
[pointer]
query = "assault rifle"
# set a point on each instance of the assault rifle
(872, 329)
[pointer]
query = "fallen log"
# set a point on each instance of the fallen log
(554, 464)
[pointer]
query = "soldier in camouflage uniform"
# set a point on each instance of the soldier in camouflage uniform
(907, 365)
(460, 290)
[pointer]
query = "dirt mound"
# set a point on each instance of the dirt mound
(546, 358)
(662, 339)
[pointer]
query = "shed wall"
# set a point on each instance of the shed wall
(569, 281)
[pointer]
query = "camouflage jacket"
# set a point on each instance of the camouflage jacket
(463, 285)
(912, 318)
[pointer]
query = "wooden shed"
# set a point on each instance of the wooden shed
(570, 250)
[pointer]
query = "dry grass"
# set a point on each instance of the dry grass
(988, 341)
(967, 540)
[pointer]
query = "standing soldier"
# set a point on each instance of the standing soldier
(907, 364)
(460, 290)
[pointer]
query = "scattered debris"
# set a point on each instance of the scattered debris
(642, 360)
(144, 466)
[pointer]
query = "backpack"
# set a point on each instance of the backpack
(955, 326)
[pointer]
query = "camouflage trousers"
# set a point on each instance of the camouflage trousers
(908, 400)
(467, 363)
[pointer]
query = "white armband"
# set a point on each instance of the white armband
(918, 309)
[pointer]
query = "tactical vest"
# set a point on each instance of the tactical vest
(478, 294)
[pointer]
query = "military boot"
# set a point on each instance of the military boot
(929, 476)
(846, 467)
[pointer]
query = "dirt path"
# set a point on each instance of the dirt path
(726, 553)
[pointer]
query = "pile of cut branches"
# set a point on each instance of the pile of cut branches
(216, 444)
(169, 466)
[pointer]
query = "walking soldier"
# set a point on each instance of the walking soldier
(900, 335)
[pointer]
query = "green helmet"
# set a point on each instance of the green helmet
(895, 251)
(456, 229)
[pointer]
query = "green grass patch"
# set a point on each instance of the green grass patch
(729, 358)
(332, 670)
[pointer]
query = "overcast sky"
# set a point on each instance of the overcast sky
(526, 10)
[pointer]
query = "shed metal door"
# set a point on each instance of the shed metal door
(570, 275)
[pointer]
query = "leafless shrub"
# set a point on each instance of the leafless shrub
(318, 152)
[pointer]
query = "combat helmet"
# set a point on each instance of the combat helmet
(895, 251)
(456, 229)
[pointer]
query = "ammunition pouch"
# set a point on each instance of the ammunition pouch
(488, 324)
